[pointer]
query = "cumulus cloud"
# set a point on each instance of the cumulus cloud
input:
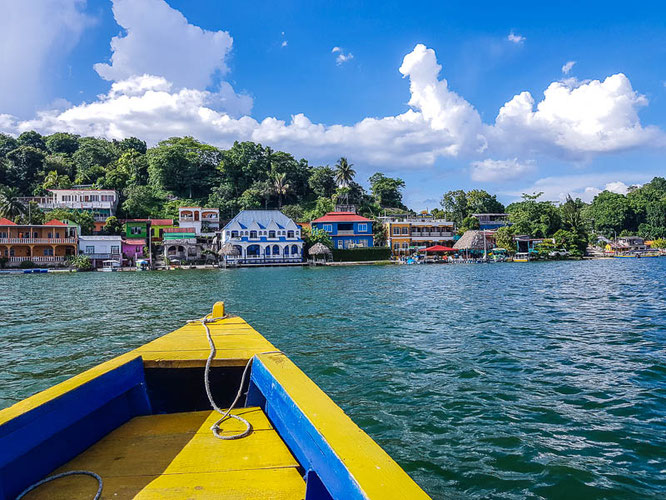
(158, 40)
(499, 170)
(567, 67)
(514, 38)
(575, 120)
(34, 36)
(341, 57)
(583, 186)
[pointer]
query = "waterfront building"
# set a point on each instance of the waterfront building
(526, 244)
(132, 249)
(205, 221)
(180, 243)
(347, 229)
(407, 233)
(263, 237)
(145, 228)
(101, 203)
(44, 244)
(100, 248)
(630, 244)
(492, 221)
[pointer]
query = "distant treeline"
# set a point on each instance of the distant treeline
(153, 182)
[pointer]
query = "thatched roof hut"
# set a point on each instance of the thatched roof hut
(471, 241)
(228, 250)
(319, 249)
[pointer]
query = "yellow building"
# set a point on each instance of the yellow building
(407, 233)
(43, 244)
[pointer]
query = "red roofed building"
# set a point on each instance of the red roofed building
(347, 229)
(44, 244)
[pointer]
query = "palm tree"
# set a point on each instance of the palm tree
(10, 205)
(280, 186)
(344, 175)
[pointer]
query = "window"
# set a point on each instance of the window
(253, 234)
(405, 245)
(271, 234)
(396, 246)
(328, 228)
(405, 230)
(341, 244)
(90, 249)
(290, 234)
(49, 235)
(136, 230)
(115, 250)
(234, 234)
(294, 249)
(362, 228)
(396, 230)
(48, 251)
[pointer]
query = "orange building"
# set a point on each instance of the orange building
(406, 233)
(45, 244)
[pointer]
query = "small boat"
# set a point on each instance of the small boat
(110, 266)
(521, 257)
(148, 424)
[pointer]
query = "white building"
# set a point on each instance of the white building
(203, 220)
(264, 237)
(101, 248)
(102, 203)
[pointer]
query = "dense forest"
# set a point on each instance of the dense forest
(153, 182)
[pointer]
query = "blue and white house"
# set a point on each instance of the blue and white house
(347, 229)
(263, 237)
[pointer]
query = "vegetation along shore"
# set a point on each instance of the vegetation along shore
(165, 185)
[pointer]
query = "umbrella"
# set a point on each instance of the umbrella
(439, 248)
(319, 249)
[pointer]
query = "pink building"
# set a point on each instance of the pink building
(133, 249)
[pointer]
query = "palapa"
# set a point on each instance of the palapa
(319, 249)
(228, 250)
(471, 240)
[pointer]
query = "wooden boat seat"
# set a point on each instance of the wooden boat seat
(177, 456)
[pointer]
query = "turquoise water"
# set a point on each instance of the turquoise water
(504, 380)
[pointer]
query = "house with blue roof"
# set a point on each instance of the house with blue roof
(263, 237)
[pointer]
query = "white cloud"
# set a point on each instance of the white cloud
(341, 56)
(158, 40)
(499, 170)
(583, 186)
(35, 35)
(284, 43)
(514, 38)
(575, 120)
(567, 67)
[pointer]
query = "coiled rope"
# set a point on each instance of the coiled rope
(64, 474)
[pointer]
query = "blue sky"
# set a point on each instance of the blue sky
(285, 60)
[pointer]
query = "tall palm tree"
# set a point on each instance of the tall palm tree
(280, 186)
(344, 175)
(10, 205)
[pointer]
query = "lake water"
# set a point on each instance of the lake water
(502, 380)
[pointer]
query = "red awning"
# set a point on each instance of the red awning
(439, 248)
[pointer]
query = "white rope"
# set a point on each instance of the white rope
(216, 426)
(64, 474)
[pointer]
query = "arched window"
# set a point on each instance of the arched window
(253, 251)
(172, 250)
(294, 250)
(271, 234)
(253, 234)
(276, 250)
(286, 250)
(290, 234)
(234, 234)
(268, 250)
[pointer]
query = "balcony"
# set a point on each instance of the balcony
(37, 241)
(432, 234)
(38, 258)
(103, 256)
(344, 232)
